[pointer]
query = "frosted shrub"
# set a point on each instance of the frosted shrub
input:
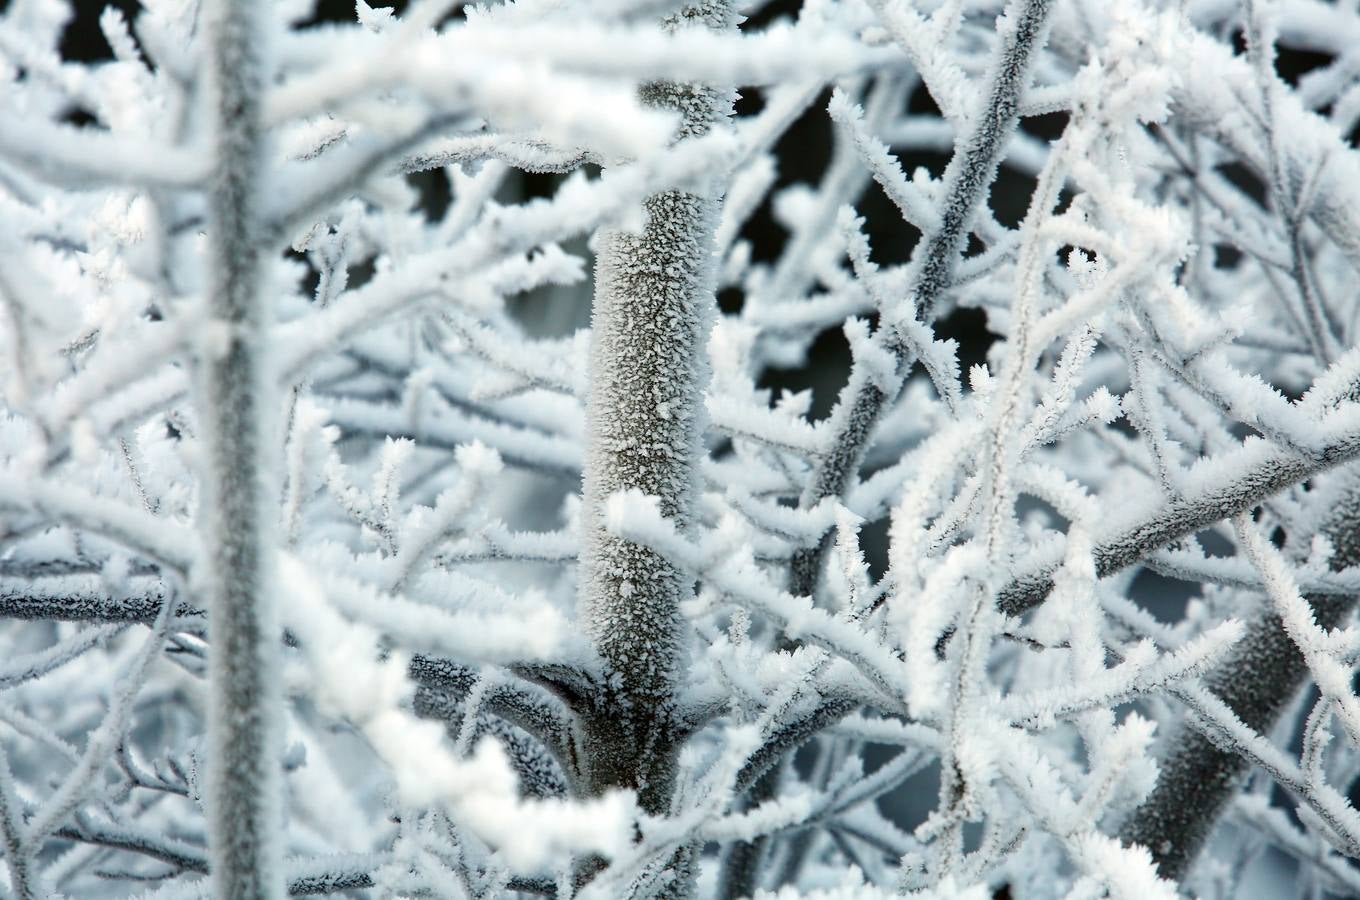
(336, 558)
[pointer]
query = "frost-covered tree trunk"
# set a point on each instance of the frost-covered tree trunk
(235, 511)
(652, 311)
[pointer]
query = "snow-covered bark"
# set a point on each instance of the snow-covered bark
(650, 318)
(237, 407)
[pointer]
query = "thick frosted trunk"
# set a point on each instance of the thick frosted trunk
(646, 370)
(236, 513)
(651, 315)
(1260, 677)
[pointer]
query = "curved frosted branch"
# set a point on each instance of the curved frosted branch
(1260, 675)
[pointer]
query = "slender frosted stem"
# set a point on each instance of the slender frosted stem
(236, 516)
(969, 175)
(18, 855)
(1259, 472)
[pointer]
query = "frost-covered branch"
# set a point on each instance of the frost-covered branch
(1260, 677)
(970, 173)
(237, 575)
(1244, 478)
